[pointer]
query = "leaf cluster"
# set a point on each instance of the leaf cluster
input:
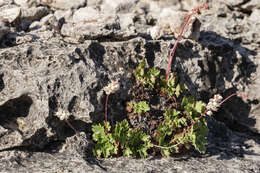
(172, 86)
(122, 139)
(179, 119)
(146, 76)
(140, 107)
(151, 77)
(175, 122)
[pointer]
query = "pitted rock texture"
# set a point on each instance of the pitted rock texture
(60, 54)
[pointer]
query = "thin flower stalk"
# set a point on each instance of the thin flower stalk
(106, 108)
(110, 89)
(194, 11)
(64, 116)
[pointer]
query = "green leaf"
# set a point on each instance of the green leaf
(127, 152)
(178, 90)
(104, 141)
(120, 132)
(141, 107)
(200, 107)
(146, 76)
(165, 152)
(139, 143)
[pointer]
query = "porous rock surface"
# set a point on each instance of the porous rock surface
(60, 54)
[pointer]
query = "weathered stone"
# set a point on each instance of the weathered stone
(4, 2)
(126, 20)
(64, 4)
(66, 15)
(190, 4)
(11, 14)
(34, 13)
(87, 14)
(251, 5)
(227, 152)
(93, 27)
(26, 3)
(118, 6)
(255, 15)
(42, 70)
(232, 3)
(172, 22)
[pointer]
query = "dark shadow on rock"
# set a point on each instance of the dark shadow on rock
(96, 53)
(150, 49)
(98, 115)
(218, 66)
(2, 84)
(13, 109)
(11, 39)
(60, 128)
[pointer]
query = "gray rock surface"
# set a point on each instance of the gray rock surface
(11, 13)
(60, 54)
(64, 4)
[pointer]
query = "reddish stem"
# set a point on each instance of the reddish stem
(175, 46)
(77, 132)
(228, 98)
(69, 124)
(106, 108)
(194, 11)
(185, 131)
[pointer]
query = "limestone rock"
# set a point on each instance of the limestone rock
(34, 13)
(87, 14)
(64, 4)
(11, 14)
(172, 22)
(233, 3)
(4, 2)
(26, 3)
(255, 15)
(251, 5)
(69, 53)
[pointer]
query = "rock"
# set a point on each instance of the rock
(227, 151)
(11, 14)
(118, 6)
(156, 32)
(47, 23)
(34, 101)
(26, 3)
(251, 5)
(66, 15)
(64, 4)
(45, 69)
(4, 28)
(253, 91)
(171, 22)
(232, 3)
(34, 13)
(91, 25)
(4, 2)
(21, 38)
(126, 6)
(94, 3)
(190, 4)
(255, 15)
(87, 14)
(126, 20)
